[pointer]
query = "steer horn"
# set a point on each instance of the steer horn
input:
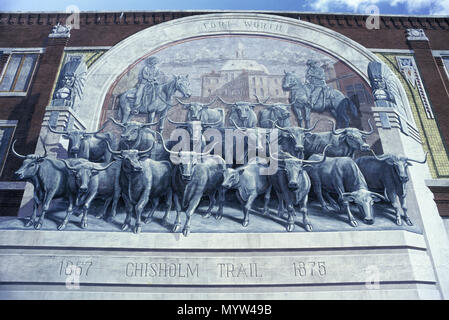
(100, 168)
(208, 152)
(69, 166)
(290, 157)
(381, 158)
(276, 125)
(15, 152)
(334, 131)
(241, 129)
(45, 149)
(318, 161)
(273, 104)
(101, 128)
(271, 155)
(147, 150)
(210, 103)
(371, 131)
(163, 144)
(424, 161)
(211, 123)
(149, 124)
(176, 122)
(117, 123)
(183, 103)
(262, 103)
(230, 104)
(303, 129)
(177, 153)
(110, 149)
(310, 129)
(55, 131)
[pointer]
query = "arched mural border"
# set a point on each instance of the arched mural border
(108, 96)
(99, 80)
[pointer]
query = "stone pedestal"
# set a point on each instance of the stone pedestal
(118, 265)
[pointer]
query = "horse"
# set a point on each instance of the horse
(336, 102)
(161, 102)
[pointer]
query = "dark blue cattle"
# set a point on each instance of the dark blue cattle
(292, 185)
(196, 174)
(87, 145)
(249, 183)
(142, 179)
(387, 174)
(343, 142)
(50, 180)
(341, 176)
(96, 181)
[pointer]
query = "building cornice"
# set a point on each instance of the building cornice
(157, 16)
(207, 11)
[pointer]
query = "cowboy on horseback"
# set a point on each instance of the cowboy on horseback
(316, 80)
(147, 84)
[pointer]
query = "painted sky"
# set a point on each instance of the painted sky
(406, 7)
(202, 56)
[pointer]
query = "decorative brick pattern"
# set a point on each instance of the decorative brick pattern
(428, 127)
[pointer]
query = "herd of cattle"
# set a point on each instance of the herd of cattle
(139, 168)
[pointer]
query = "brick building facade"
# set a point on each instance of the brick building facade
(394, 82)
(27, 35)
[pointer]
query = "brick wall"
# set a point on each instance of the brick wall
(23, 30)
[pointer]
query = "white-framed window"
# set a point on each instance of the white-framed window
(16, 75)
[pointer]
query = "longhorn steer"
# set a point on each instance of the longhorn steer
(50, 180)
(292, 139)
(140, 136)
(195, 129)
(201, 112)
(244, 143)
(249, 184)
(142, 178)
(242, 113)
(388, 174)
(87, 145)
(341, 176)
(96, 181)
(274, 112)
(292, 185)
(195, 175)
(344, 142)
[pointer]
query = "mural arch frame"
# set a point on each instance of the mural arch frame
(130, 51)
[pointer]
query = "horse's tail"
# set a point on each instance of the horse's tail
(342, 112)
(353, 108)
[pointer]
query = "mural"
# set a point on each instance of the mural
(307, 145)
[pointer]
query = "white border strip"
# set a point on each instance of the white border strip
(440, 53)
(86, 48)
(20, 50)
(402, 51)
